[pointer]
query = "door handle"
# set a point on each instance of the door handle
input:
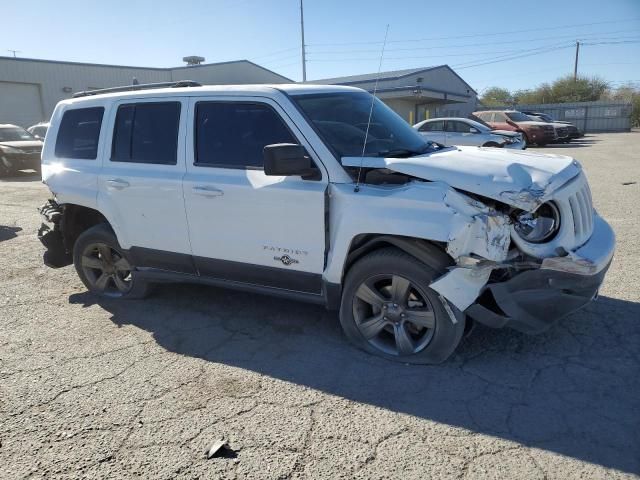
(207, 191)
(117, 183)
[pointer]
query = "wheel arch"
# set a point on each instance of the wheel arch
(419, 248)
(77, 219)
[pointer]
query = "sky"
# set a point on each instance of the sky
(512, 44)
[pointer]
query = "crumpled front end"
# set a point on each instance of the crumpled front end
(524, 285)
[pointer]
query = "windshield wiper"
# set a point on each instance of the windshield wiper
(407, 152)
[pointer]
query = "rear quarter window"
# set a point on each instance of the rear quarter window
(79, 133)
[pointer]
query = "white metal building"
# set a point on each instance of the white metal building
(30, 88)
(417, 93)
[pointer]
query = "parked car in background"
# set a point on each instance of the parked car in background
(463, 131)
(39, 130)
(574, 132)
(18, 149)
(533, 132)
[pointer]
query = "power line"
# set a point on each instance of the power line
(540, 49)
(481, 34)
(462, 66)
(475, 44)
(277, 52)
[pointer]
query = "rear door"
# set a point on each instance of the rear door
(433, 130)
(140, 185)
(246, 226)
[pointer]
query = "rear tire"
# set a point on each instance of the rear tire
(388, 309)
(103, 268)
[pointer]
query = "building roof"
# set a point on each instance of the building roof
(388, 75)
(162, 69)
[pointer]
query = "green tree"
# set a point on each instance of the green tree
(582, 89)
(496, 96)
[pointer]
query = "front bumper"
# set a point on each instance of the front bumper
(52, 237)
(534, 299)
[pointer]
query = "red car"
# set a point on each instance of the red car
(539, 133)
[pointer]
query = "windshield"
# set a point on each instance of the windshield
(518, 117)
(341, 120)
(14, 134)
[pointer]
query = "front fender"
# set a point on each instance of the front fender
(430, 211)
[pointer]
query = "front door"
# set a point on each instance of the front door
(246, 226)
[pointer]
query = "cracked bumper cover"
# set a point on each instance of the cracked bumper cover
(533, 299)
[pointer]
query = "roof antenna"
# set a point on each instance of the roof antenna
(373, 99)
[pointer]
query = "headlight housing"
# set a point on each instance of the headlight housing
(539, 226)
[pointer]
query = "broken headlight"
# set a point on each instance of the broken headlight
(539, 226)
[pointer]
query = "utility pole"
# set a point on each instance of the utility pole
(14, 52)
(304, 59)
(575, 65)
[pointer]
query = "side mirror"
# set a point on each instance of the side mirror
(474, 130)
(288, 159)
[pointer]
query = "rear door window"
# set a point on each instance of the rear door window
(457, 127)
(79, 133)
(146, 133)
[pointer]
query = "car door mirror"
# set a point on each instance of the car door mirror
(288, 159)
(474, 130)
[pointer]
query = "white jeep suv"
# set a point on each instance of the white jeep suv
(297, 191)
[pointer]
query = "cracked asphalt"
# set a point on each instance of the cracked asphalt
(117, 389)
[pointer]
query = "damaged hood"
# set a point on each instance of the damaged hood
(522, 179)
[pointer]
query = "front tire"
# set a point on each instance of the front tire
(103, 268)
(388, 309)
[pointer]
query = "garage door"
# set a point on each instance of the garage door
(20, 104)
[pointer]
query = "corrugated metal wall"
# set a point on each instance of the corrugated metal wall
(610, 116)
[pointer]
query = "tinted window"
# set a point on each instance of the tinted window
(79, 132)
(234, 134)
(146, 133)
(457, 127)
(437, 126)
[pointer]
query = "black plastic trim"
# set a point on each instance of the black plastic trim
(162, 260)
(161, 276)
(260, 275)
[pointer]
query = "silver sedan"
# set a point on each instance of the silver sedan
(463, 131)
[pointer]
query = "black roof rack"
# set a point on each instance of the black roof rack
(141, 86)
